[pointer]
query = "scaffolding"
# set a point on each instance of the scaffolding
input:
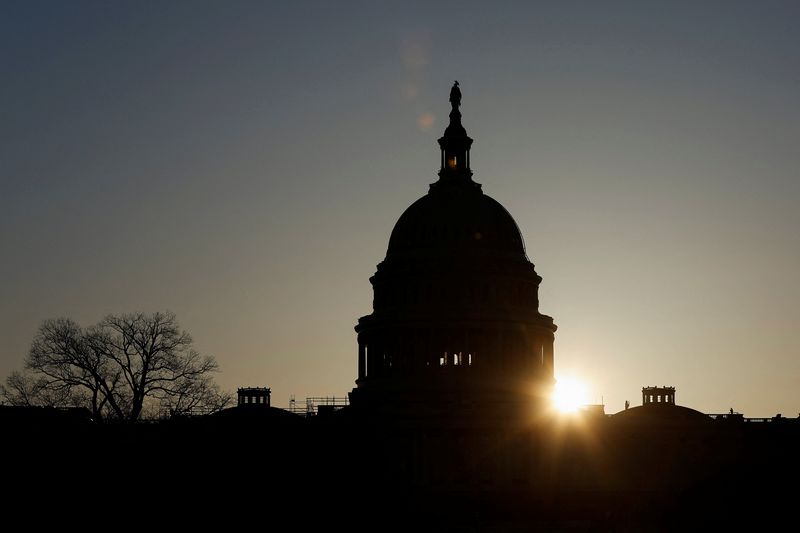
(314, 404)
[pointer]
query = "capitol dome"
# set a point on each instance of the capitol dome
(461, 221)
(455, 315)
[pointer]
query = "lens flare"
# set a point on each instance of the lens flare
(425, 121)
(570, 394)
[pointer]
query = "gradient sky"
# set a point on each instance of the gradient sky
(243, 164)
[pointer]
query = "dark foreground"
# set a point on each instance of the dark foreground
(276, 471)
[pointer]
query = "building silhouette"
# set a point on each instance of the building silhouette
(658, 395)
(455, 321)
(253, 397)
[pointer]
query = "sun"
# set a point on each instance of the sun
(569, 395)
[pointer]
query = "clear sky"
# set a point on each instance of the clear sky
(243, 164)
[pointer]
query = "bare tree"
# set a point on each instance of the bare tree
(61, 356)
(201, 395)
(154, 356)
(123, 365)
(24, 389)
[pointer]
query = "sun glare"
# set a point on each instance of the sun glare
(569, 395)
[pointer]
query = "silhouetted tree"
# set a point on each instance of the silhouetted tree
(62, 358)
(122, 365)
(24, 389)
(194, 395)
(154, 357)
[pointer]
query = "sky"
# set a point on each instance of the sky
(243, 163)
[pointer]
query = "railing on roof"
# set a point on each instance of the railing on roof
(313, 403)
(739, 417)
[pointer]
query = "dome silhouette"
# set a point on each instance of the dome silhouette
(455, 325)
(462, 221)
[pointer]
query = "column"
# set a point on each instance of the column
(548, 356)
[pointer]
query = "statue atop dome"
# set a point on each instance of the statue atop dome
(455, 144)
(455, 96)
